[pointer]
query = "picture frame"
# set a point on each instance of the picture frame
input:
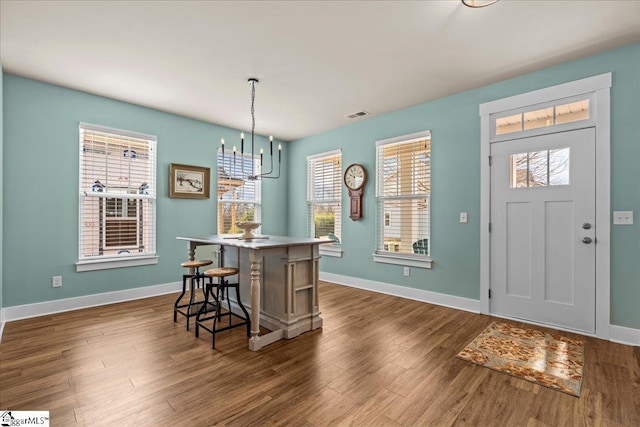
(189, 182)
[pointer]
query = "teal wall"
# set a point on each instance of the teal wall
(455, 126)
(40, 209)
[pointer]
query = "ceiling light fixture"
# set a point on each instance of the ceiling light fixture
(478, 3)
(252, 175)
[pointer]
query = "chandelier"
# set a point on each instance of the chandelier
(252, 174)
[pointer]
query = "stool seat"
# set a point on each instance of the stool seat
(196, 263)
(221, 272)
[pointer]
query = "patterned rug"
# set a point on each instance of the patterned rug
(550, 360)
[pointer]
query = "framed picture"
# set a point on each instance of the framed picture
(188, 182)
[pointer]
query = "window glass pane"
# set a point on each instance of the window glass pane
(509, 124)
(324, 194)
(408, 230)
(538, 171)
(238, 197)
(406, 168)
(559, 166)
(324, 219)
(538, 118)
(231, 213)
(232, 182)
(108, 234)
(519, 170)
(572, 112)
(540, 168)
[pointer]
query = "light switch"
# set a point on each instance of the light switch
(623, 217)
(463, 217)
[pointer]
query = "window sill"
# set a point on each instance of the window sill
(105, 264)
(331, 250)
(406, 260)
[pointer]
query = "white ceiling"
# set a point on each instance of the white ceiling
(316, 61)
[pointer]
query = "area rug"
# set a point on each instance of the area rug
(551, 360)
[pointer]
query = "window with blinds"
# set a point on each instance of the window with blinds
(239, 198)
(117, 194)
(324, 194)
(403, 187)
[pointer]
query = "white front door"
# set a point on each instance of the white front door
(543, 229)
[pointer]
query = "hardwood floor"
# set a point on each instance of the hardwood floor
(378, 360)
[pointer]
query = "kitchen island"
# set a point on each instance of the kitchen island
(279, 274)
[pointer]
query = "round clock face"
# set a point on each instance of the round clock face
(355, 177)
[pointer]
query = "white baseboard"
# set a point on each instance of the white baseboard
(619, 334)
(1, 323)
(436, 298)
(57, 306)
(624, 335)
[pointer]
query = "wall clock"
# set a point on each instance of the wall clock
(355, 177)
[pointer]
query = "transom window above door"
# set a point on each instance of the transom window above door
(541, 116)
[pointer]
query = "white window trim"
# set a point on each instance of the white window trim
(409, 260)
(333, 249)
(124, 260)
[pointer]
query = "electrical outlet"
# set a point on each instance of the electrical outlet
(463, 217)
(56, 281)
(407, 271)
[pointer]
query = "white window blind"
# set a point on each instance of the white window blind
(324, 195)
(239, 199)
(403, 187)
(117, 193)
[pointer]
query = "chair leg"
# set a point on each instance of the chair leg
(217, 313)
(191, 296)
(206, 287)
(177, 303)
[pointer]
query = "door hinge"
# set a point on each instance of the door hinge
(490, 228)
(490, 161)
(489, 293)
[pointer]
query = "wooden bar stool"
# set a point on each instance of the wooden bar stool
(191, 306)
(222, 289)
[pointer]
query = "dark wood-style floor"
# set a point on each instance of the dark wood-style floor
(378, 360)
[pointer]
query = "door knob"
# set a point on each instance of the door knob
(586, 226)
(586, 240)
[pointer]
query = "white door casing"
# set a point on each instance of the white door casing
(541, 269)
(597, 88)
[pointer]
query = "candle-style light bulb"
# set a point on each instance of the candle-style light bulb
(271, 144)
(279, 153)
(234, 154)
(241, 142)
(222, 142)
(261, 154)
